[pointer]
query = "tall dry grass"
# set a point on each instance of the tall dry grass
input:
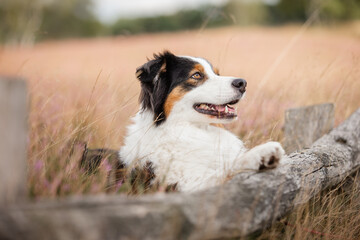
(331, 214)
(84, 91)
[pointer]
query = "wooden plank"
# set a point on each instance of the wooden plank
(247, 203)
(303, 126)
(13, 140)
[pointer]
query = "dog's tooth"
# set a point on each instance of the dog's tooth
(226, 109)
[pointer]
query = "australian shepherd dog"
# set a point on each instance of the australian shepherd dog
(177, 131)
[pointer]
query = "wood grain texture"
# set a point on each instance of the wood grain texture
(305, 125)
(247, 203)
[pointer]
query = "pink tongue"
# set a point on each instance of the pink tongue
(220, 108)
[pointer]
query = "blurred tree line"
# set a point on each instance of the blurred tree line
(24, 21)
(244, 12)
(186, 19)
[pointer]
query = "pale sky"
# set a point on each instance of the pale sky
(109, 11)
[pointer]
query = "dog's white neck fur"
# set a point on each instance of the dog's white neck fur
(185, 149)
(194, 156)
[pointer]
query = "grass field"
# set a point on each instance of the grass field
(86, 91)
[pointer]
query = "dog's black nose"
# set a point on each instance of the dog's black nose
(240, 84)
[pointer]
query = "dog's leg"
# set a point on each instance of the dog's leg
(264, 156)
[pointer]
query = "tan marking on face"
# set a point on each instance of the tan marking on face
(178, 92)
(195, 82)
(216, 71)
(199, 68)
(175, 95)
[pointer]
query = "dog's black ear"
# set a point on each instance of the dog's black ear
(149, 75)
(150, 70)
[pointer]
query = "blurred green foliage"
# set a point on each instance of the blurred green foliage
(18, 20)
(247, 12)
(244, 12)
(69, 18)
(333, 10)
(190, 19)
(288, 11)
(24, 21)
(329, 11)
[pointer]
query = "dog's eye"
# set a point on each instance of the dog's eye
(197, 75)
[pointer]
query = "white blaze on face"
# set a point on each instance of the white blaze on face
(216, 90)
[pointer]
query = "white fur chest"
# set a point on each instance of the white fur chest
(181, 152)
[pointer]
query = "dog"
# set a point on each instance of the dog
(177, 134)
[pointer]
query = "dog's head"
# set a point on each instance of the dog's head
(185, 88)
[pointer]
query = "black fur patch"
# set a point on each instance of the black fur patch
(142, 177)
(159, 77)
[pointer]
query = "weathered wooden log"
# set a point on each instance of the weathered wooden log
(247, 203)
(13, 140)
(305, 125)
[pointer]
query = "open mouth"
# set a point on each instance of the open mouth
(219, 111)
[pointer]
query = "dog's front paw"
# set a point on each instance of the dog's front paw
(269, 155)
